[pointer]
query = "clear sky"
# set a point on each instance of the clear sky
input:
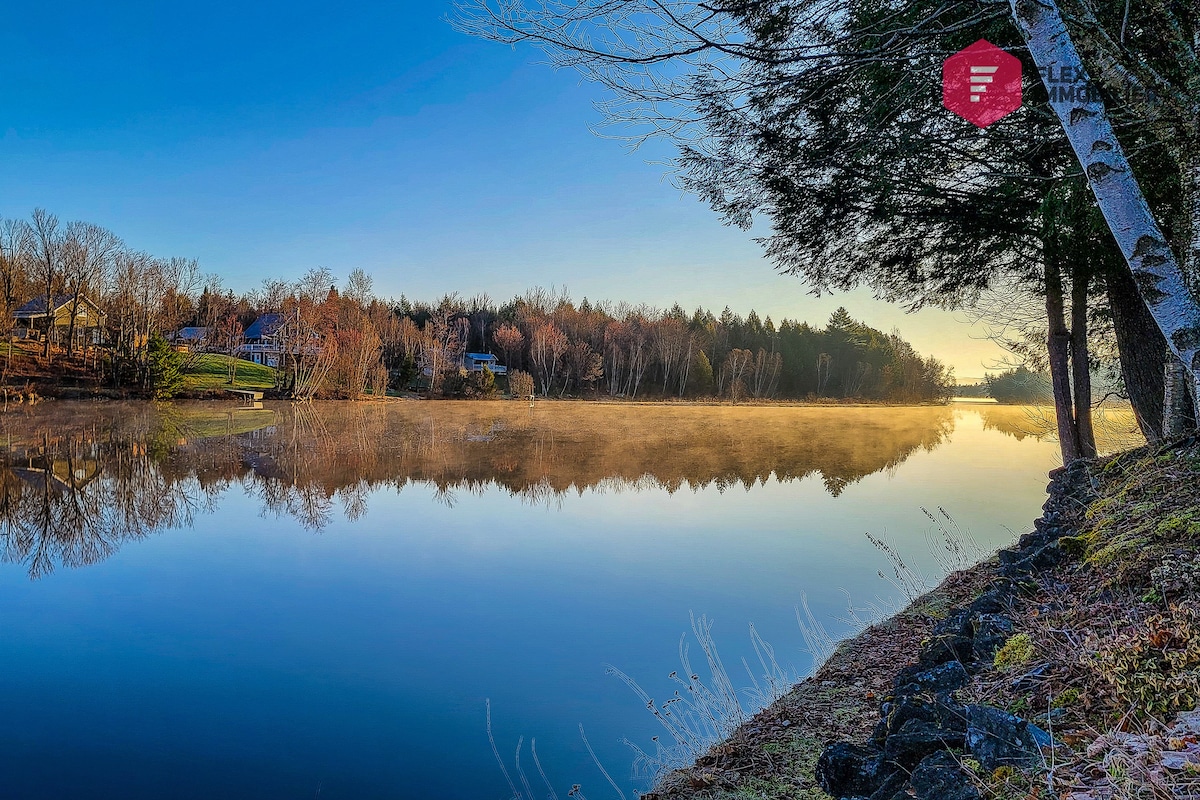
(264, 138)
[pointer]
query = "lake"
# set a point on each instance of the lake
(317, 600)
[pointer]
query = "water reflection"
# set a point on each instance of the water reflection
(79, 480)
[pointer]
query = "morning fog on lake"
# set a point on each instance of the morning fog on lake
(318, 600)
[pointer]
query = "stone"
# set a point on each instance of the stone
(996, 738)
(993, 601)
(991, 632)
(943, 678)
(942, 711)
(850, 770)
(941, 777)
(917, 739)
(1021, 565)
(946, 647)
(957, 623)
(892, 788)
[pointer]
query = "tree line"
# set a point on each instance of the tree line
(346, 341)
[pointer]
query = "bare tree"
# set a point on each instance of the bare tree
(315, 285)
(442, 341)
(510, 340)
(227, 336)
(88, 253)
(47, 249)
(15, 259)
(359, 286)
(546, 347)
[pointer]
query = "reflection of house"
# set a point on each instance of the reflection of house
(261, 342)
(475, 362)
(37, 317)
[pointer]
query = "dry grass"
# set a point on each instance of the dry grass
(772, 756)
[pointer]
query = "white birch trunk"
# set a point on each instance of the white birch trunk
(1085, 122)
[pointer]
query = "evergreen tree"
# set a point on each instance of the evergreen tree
(165, 365)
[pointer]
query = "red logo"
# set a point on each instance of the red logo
(982, 83)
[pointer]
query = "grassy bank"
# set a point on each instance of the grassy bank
(1104, 653)
(209, 372)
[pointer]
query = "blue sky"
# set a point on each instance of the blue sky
(266, 138)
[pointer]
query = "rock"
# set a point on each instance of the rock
(991, 631)
(943, 678)
(996, 738)
(917, 739)
(957, 623)
(942, 711)
(993, 601)
(850, 770)
(1018, 565)
(946, 647)
(941, 777)
(893, 788)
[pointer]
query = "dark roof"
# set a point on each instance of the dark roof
(265, 325)
(191, 333)
(38, 305)
(481, 356)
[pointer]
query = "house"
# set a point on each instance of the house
(38, 318)
(261, 341)
(475, 362)
(187, 339)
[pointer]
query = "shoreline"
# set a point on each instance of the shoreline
(774, 754)
(806, 744)
(56, 391)
(1067, 666)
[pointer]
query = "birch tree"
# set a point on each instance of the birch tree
(1155, 268)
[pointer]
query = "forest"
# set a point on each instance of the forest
(347, 342)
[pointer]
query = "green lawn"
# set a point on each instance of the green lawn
(211, 371)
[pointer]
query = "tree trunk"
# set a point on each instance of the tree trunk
(1155, 269)
(1081, 377)
(74, 310)
(1058, 349)
(1142, 351)
(49, 320)
(1177, 401)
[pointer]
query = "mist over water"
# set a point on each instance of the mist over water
(315, 600)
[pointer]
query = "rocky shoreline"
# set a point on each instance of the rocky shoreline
(924, 743)
(925, 735)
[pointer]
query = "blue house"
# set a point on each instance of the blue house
(475, 362)
(261, 342)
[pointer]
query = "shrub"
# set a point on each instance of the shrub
(520, 384)
(1154, 667)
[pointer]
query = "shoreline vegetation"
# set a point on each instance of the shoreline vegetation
(1065, 667)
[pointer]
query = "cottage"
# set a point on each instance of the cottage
(475, 362)
(261, 343)
(38, 318)
(188, 339)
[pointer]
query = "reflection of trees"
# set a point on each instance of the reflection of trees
(1116, 428)
(74, 501)
(77, 482)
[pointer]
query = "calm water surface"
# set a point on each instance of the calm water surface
(316, 601)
